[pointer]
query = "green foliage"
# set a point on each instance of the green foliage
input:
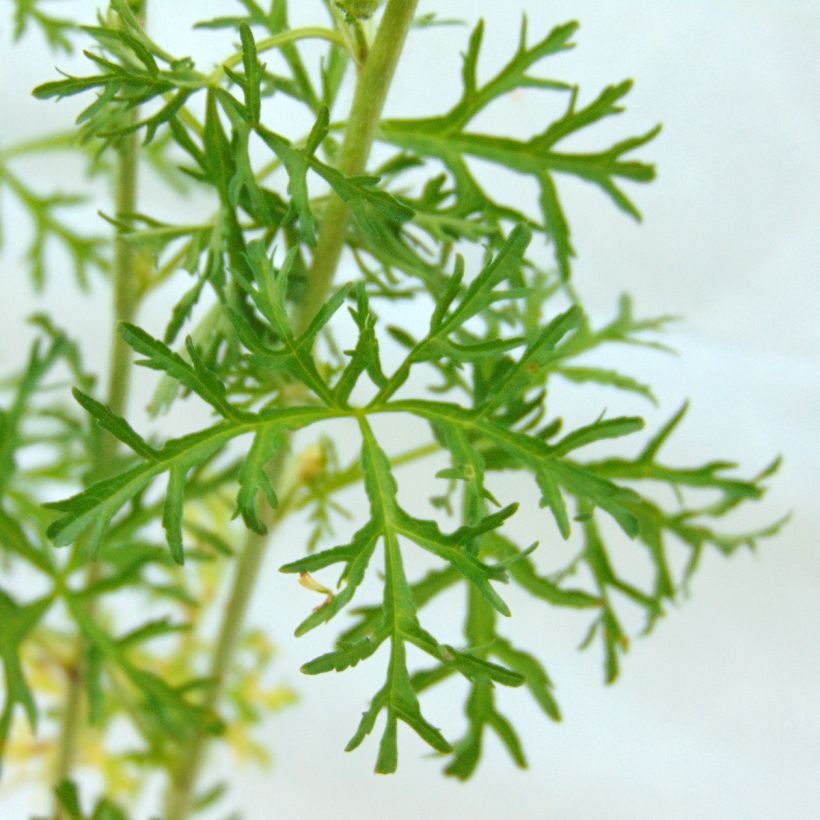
(85, 252)
(148, 518)
(56, 30)
(68, 799)
(445, 138)
(17, 622)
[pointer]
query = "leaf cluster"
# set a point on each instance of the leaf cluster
(152, 521)
(501, 429)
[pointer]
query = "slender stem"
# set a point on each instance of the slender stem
(181, 794)
(368, 102)
(126, 282)
(71, 720)
(365, 114)
(126, 291)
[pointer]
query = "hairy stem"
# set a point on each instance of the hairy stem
(368, 102)
(125, 301)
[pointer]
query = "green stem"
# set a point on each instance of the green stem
(365, 114)
(368, 102)
(126, 283)
(126, 290)
(181, 794)
(71, 721)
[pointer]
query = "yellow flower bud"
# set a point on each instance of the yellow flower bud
(311, 464)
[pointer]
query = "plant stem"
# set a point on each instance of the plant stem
(126, 280)
(181, 794)
(71, 721)
(368, 102)
(365, 114)
(125, 301)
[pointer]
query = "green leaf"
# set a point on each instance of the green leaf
(539, 353)
(604, 376)
(360, 193)
(481, 712)
(480, 293)
(69, 798)
(446, 319)
(217, 155)
(116, 425)
(522, 570)
(253, 73)
(398, 621)
(531, 452)
(99, 503)
(447, 139)
(598, 431)
(296, 163)
(27, 384)
(164, 706)
(708, 476)
(423, 591)
(469, 467)
(172, 511)
(14, 540)
(345, 657)
(536, 678)
(253, 476)
(365, 356)
(356, 556)
(16, 622)
(56, 30)
(107, 810)
(295, 356)
(195, 377)
(454, 548)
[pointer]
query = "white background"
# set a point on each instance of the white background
(716, 714)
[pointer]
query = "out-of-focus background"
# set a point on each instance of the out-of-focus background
(716, 714)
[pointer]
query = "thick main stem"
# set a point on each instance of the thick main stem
(125, 301)
(365, 114)
(372, 85)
